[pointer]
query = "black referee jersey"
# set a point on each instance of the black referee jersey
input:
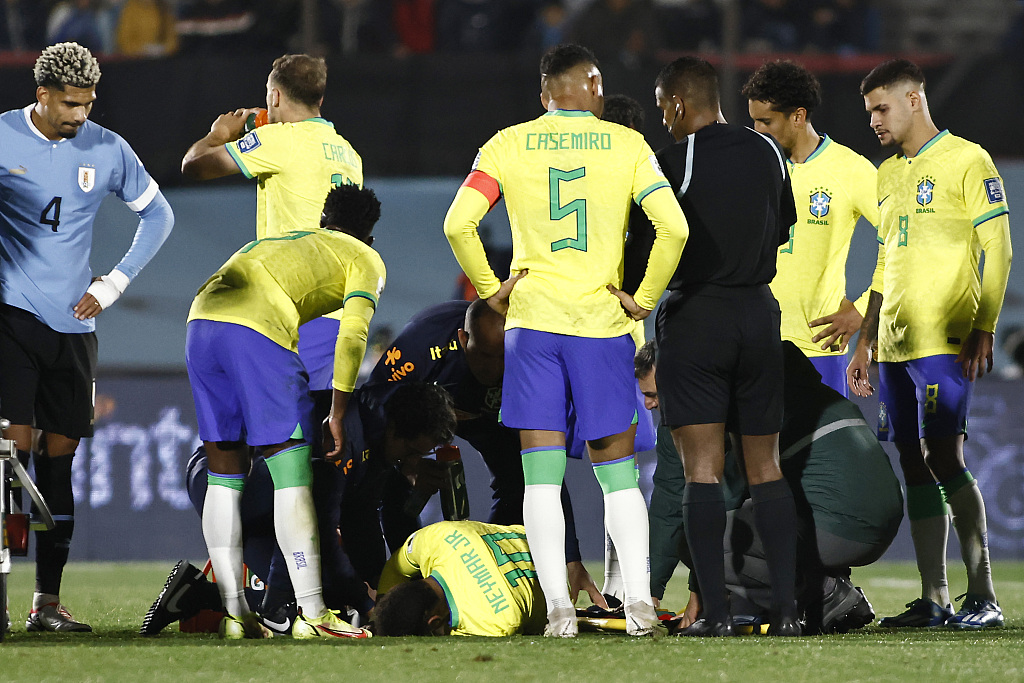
(733, 185)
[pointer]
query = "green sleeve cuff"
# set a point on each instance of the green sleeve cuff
(990, 215)
(656, 186)
(230, 147)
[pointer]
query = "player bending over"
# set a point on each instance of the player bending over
(250, 389)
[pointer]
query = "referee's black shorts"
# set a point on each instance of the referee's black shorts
(720, 359)
(47, 378)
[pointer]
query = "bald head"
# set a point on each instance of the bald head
(570, 79)
(483, 338)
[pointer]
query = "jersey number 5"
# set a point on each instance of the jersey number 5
(55, 221)
(576, 206)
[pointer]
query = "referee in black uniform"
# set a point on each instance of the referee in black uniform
(720, 357)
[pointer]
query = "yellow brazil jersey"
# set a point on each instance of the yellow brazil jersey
(568, 179)
(934, 209)
(833, 188)
(296, 165)
(276, 284)
(486, 572)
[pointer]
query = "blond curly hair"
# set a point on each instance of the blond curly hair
(66, 64)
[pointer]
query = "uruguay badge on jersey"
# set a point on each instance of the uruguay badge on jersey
(925, 191)
(819, 206)
(86, 178)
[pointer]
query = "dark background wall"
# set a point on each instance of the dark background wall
(427, 115)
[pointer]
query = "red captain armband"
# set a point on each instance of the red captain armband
(485, 185)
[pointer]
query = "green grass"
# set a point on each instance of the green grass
(114, 597)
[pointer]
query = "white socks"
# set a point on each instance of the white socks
(222, 529)
(626, 520)
(297, 536)
(545, 530)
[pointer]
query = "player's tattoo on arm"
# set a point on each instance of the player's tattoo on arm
(869, 328)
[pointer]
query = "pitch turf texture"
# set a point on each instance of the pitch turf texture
(114, 598)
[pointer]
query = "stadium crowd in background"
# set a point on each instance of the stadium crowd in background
(626, 31)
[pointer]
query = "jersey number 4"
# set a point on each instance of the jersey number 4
(55, 220)
(576, 206)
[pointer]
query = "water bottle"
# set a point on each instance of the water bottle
(454, 495)
(254, 121)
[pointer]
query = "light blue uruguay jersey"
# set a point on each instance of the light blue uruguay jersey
(50, 192)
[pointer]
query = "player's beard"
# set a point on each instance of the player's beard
(64, 133)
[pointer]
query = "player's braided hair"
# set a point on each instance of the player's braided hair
(892, 72)
(66, 64)
(561, 58)
(302, 77)
(404, 610)
(352, 208)
(784, 85)
(645, 359)
(624, 110)
(692, 78)
(422, 409)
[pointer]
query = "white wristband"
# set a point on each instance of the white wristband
(109, 287)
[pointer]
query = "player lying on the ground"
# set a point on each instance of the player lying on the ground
(849, 505)
(346, 494)
(251, 390)
(460, 345)
(461, 578)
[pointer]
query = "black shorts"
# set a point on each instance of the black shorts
(47, 378)
(720, 359)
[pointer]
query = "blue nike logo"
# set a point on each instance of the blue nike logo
(883, 199)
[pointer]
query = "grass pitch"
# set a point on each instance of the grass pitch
(114, 598)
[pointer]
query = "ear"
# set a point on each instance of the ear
(798, 117)
(275, 97)
(914, 98)
(42, 95)
(544, 100)
(463, 337)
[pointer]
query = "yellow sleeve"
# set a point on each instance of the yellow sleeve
(365, 284)
(671, 231)
(399, 568)
(460, 227)
(864, 194)
(994, 235)
(263, 151)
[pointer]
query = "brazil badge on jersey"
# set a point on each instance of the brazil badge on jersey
(932, 208)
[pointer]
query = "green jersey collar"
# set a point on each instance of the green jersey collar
(569, 112)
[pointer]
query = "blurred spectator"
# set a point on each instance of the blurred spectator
(23, 24)
(774, 25)
(473, 26)
(843, 26)
(549, 26)
(80, 21)
(276, 23)
(215, 26)
(690, 24)
(416, 26)
(619, 30)
(355, 26)
(147, 28)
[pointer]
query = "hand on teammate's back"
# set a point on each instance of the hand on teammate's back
(977, 348)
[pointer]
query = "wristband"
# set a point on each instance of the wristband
(108, 288)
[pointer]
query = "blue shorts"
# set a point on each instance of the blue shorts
(833, 372)
(646, 436)
(317, 340)
(245, 386)
(546, 374)
(924, 397)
